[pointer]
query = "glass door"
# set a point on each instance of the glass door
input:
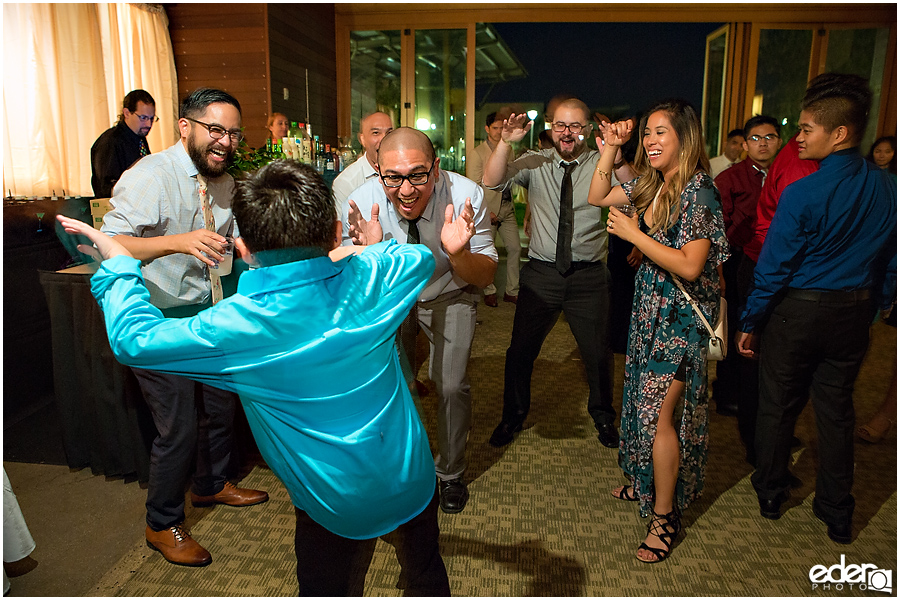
(375, 77)
(440, 93)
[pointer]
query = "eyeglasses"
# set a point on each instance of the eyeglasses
(575, 128)
(217, 133)
(758, 138)
(147, 118)
(395, 181)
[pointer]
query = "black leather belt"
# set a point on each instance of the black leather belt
(843, 296)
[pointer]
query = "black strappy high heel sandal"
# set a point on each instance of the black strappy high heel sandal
(627, 493)
(666, 528)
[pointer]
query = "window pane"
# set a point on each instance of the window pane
(441, 93)
(374, 77)
(781, 76)
(712, 95)
(860, 52)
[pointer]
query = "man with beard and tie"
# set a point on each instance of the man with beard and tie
(566, 271)
(172, 212)
(124, 143)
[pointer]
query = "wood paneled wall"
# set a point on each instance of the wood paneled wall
(253, 52)
(224, 46)
(301, 39)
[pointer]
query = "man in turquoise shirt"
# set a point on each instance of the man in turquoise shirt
(308, 344)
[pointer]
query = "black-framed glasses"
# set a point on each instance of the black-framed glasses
(395, 181)
(217, 133)
(575, 128)
(148, 118)
(758, 138)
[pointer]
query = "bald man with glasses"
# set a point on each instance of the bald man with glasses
(415, 202)
(172, 211)
(124, 143)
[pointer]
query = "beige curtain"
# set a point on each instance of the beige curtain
(66, 69)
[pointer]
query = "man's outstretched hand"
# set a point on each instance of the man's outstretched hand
(361, 231)
(104, 246)
(455, 234)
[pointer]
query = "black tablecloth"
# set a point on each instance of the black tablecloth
(106, 424)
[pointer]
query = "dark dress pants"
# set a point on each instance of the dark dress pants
(583, 295)
(195, 424)
(811, 349)
(332, 565)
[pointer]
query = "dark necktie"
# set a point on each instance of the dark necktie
(566, 221)
(412, 236)
(145, 148)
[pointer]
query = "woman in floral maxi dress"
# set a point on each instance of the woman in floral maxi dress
(680, 230)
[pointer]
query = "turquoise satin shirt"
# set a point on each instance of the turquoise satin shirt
(309, 347)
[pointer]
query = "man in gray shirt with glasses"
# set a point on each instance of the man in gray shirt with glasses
(415, 202)
(566, 271)
(172, 212)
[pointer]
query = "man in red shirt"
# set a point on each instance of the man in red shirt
(740, 187)
(785, 170)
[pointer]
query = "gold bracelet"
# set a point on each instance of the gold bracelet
(603, 174)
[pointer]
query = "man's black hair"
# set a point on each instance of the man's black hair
(196, 102)
(836, 99)
(130, 101)
(286, 204)
(734, 132)
(760, 120)
(489, 120)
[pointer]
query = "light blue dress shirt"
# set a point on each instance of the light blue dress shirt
(450, 188)
(309, 347)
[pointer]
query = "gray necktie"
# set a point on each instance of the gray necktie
(566, 220)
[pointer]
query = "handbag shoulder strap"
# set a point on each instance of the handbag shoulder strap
(693, 304)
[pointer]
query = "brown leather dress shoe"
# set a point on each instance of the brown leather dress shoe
(178, 547)
(491, 300)
(508, 298)
(232, 496)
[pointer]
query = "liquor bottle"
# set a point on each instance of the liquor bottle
(320, 155)
(303, 143)
(329, 160)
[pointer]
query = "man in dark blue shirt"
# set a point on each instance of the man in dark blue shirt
(123, 144)
(827, 262)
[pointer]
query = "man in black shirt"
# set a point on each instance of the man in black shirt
(122, 145)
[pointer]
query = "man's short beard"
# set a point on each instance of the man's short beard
(198, 157)
(576, 151)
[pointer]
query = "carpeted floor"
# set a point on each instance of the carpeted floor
(541, 522)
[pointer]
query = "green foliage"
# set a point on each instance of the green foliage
(247, 160)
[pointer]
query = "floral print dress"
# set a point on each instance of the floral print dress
(664, 331)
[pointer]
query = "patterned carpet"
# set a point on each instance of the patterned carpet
(541, 522)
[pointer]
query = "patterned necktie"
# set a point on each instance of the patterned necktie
(210, 222)
(145, 148)
(566, 221)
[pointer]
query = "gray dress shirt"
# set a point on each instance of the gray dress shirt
(541, 173)
(451, 188)
(159, 196)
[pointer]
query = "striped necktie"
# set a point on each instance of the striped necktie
(210, 223)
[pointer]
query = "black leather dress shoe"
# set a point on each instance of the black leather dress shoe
(503, 434)
(838, 532)
(454, 495)
(771, 509)
(608, 435)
